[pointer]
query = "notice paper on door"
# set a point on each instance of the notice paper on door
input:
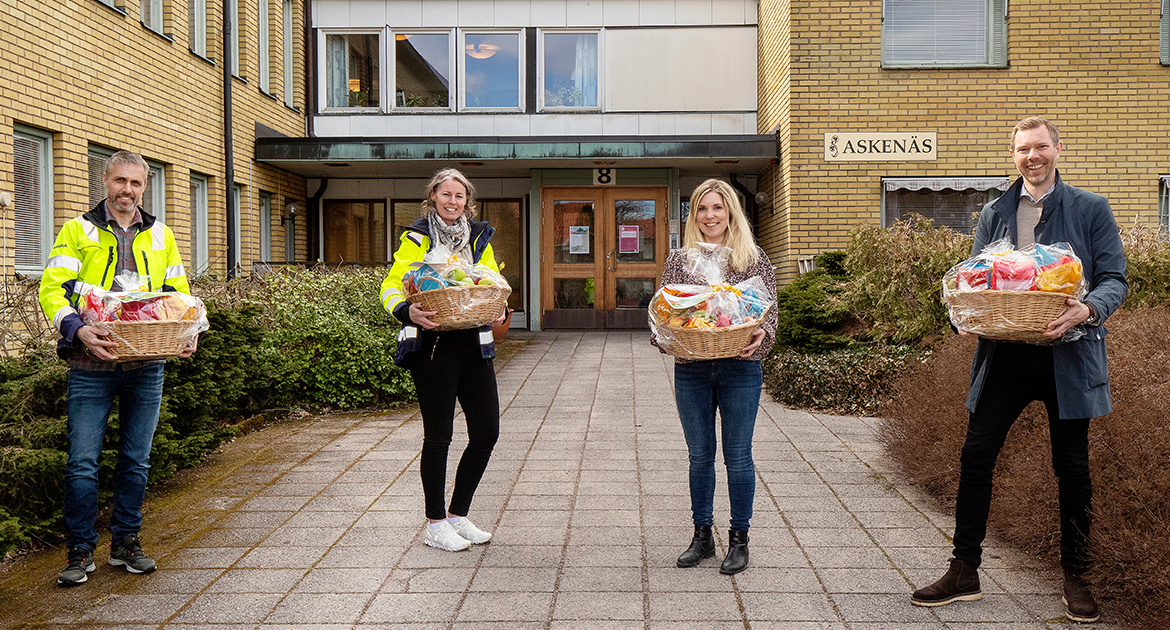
(628, 239)
(578, 239)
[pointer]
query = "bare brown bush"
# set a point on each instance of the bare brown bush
(1129, 454)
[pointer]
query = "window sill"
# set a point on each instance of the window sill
(167, 36)
(241, 79)
(349, 111)
(207, 59)
(115, 9)
(944, 66)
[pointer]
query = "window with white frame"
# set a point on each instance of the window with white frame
(197, 19)
(1164, 203)
(236, 196)
(265, 226)
(265, 42)
(569, 76)
(287, 52)
(290, 233)
(491, 71)
(152, 15)
(423, 67)
(32, 170)
(233, 9)
(944, 33)
(1164, 31)
(352, 70)
(954, 202)
(198, 244)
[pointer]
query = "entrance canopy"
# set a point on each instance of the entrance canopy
(514, 156)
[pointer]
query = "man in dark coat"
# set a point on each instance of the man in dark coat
(1070, 378)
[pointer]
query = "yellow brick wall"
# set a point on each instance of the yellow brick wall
(1090, 68)
(92, 75)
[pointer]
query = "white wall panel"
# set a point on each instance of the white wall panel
(404, 13)
(512, 13)
(733, 12)
(551, 126)
(328, 13)
(656, 124)
(331, 126)
(400, 126)
(440, 12)
(367, 13)
(511, 125)
(476, 13)
(440, 126)
(692, 124)
(655, 70)
(584, 12)
(727, 124)
(620, 13)
(584, 124)
(548, 13)
(655, 12)
(476, 125)
(693, 12)
(620, 125)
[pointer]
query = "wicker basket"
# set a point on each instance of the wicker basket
(464, 307)
(147, 340)
(712, 343)
(1006, 315)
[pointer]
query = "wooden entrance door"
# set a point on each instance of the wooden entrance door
(602, 252)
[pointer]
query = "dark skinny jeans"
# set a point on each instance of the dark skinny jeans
(1018, 375)
(449, 366)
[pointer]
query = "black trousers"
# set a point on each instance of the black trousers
(449, 367)
(1018, 375)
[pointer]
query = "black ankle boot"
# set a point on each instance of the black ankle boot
(702, 546)
(737, 553)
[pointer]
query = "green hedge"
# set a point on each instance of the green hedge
(316, 339)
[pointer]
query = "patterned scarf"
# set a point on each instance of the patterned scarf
(454, 237)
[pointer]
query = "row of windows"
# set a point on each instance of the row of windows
(33, 187)
(459, 70)
(152, 13)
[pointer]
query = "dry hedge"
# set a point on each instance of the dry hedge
(1129, 454)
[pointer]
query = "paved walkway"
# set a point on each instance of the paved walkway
(315, 524)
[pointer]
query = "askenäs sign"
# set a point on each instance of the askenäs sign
(881, 147)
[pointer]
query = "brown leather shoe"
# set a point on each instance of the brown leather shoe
(1079, 604)
(960, 583)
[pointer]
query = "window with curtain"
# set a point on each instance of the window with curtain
(198, 241)
(569, 70)
(1164, 32)
(287, 51)
(949, 33)
(492, 67)
(422, 70)
(197, 19)
(237, 198)
(950, 202)
(233, 9)
(32, 171)
(154, 198)
(352, 70)
(152, 15)
(1164, 203)
(264, 43)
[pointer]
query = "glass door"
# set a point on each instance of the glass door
(602, 255)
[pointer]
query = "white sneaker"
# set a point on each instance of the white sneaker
(444, 537)
(470, 532)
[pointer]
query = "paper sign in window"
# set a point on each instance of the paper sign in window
(578, 239)
(628, 239)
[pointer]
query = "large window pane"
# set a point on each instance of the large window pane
(198, 250)
(573, 232)
(422, 69)
(197, 18)
(636, 236)
(492, 70)
(404, 213)
(263, 47)
(351, 70)
(956, 209)
(570, 70)
(32, 199)
(355, 231)
(507, 242)
(943, 32)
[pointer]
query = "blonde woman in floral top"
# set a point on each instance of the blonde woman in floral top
(730, 385)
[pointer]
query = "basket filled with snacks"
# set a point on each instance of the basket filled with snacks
(461, 295)
(1012, 295)
(145, 324)
(711, 321)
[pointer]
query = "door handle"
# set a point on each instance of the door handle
(607, 257)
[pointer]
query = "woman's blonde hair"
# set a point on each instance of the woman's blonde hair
(739, 235)
(428, 206)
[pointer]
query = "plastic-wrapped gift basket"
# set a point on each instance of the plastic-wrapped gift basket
(461, 294)
(1012, 295)
(145, 324)
(709, 321)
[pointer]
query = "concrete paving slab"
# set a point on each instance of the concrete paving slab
(315, 524)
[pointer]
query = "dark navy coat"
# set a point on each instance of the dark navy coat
(1085, 221)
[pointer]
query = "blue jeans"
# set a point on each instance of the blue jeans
(733, 387)
(91, 394)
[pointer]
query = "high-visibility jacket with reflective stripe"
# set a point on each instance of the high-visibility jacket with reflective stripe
(85, 255)
(413, 246)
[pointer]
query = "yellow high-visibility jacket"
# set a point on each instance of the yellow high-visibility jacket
(413, 246)
(85, 255)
